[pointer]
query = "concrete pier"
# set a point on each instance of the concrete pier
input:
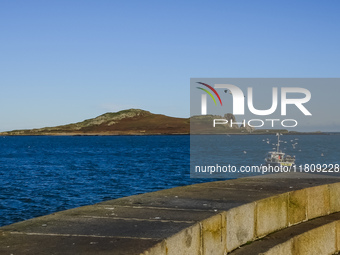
(209, 218)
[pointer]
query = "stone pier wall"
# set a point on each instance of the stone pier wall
(209, 218)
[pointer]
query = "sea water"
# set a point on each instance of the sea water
(40, 175)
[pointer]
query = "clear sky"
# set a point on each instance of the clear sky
(68, 60)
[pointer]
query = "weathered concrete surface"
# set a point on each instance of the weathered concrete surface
(317, 236)
(297, 206)
(318, 201)
(240, 225)
(185, 220)
(271, 214)
(214, 234)
(334, 193)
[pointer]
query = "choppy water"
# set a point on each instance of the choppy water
(44, 174)
(41, 175)
(311, 151)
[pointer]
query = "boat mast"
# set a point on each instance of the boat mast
(278, 143)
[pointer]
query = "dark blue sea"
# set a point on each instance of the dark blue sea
(316, 154)
(40, 175)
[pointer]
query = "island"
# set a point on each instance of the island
(141, 122)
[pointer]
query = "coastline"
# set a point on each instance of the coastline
(5, 134)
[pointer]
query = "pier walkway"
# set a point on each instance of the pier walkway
(297, 214)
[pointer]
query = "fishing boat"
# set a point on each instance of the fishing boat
(279, 158)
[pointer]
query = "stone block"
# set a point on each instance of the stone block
(337, 230)
(271, 214)
(318, 201)
(321, 240)
(297, 206)
(334, 197)
(240, 225)
(186, 242)
(158, 249)
(281, 249)
(214, 235)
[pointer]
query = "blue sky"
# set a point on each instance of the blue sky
(66, 61)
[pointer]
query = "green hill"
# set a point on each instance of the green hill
(126, 122)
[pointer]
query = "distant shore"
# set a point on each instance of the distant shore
(140, 122)
(156, 134)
